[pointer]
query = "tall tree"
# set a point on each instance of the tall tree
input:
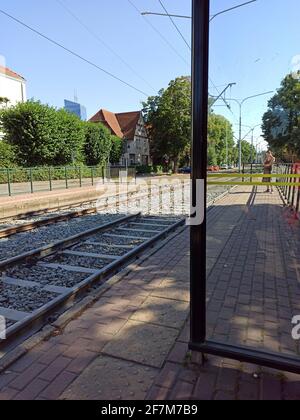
(281, 123)
(168, 117)
(248, 152)
(98, 143)
(116, 149)
(220, 140)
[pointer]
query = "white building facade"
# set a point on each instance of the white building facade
(131, 128)
(12, 87)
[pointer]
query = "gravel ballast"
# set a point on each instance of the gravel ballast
(76, 261)
(24, 242)
(100, 249)
(24, 299)
(46, 276)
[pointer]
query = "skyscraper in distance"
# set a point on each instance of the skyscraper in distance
(76, 108)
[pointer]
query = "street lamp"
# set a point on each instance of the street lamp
(240, 104)
(165, 14)
(189, 17)
(252, 129)
(257, 154)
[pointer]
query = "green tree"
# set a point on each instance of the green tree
(220, 140)
(41, 135)
(116, 149)
(212, 158)
(168, 117)
(98, 143)
(70, 139)
(4, 101)
(281, 123)
(248, 152)
(7, 155)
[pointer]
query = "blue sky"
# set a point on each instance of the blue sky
(253, 47)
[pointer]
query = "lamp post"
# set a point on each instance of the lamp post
(240, 104)
(252, 145)
(189, 17)
(252, 129)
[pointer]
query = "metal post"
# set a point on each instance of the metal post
(50, 179)
(252, 146)
(227, 151)
(31, 180)
(200, 76)
(8, 182)
(92, 175)
(80, 177)
(103, 175)
(240, 139)
(66, 177)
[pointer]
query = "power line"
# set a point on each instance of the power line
(101, 41)
(72, 52)
(187, 44)
(159, 33)
(175, 26)
(223, 99)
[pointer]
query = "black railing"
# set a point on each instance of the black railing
(291, 193)
(14, 181)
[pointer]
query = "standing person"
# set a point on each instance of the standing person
(268, 169)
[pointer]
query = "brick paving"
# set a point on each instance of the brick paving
(132, 344)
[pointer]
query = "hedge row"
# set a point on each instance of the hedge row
(40, 135)
(151, 169)
(46, 174)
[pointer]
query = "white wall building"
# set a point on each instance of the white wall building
(131, 128)
(12, 87)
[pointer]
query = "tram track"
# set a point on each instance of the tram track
(25, 223)
(45, 281)
(10, 227)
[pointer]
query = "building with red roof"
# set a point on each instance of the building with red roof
(129, 126)
(12, 87)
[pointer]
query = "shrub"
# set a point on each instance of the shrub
(98, 143)
(18, 175)
(116, 149)
(7, 155)
(147, 170)
(41, 135)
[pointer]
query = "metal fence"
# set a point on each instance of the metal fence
(15, 181)
(291, 193)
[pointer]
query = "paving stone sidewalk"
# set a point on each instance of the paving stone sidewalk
(132, 344)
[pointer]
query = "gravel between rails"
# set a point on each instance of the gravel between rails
(73, 260)
(24, 299)
(100, 249)
(147, 227)
(45, 276)
(100, 238)
(23, 242)
(45, 216)
(138, 234)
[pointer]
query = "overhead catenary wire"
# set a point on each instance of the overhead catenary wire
(175, 26)
(87, 61)
(189, 47)
(159, 33)
(102, 42)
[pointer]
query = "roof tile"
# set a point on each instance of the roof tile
(10, 73)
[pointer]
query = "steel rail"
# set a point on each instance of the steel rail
(38, 317)
(53, 247)
(26, 227)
